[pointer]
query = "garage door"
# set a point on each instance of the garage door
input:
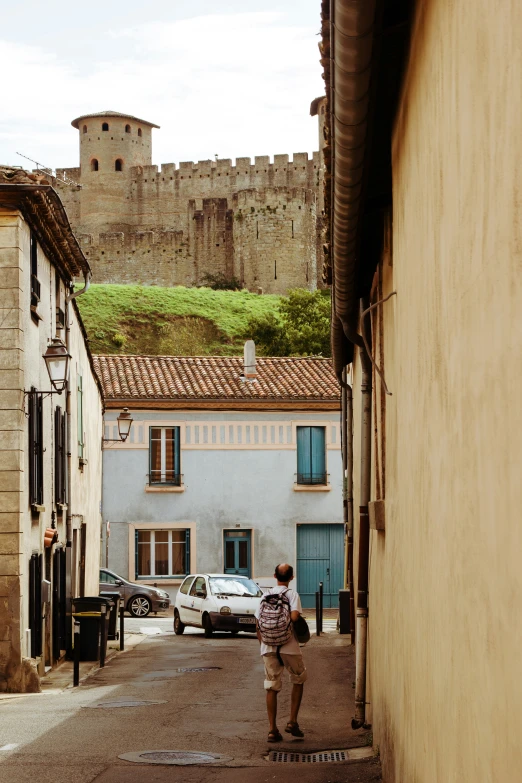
(320, 558)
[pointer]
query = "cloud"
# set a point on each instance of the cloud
(237, 84)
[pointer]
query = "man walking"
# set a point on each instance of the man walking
(280, 649)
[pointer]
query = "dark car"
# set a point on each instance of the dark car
(139, 600)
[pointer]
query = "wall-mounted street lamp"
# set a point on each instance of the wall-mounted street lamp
(124, 427)
(56, 360)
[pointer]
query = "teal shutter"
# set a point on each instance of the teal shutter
(177, 468)
(318, 457)
(80, 416)
(304, 458)
(311, 455)
(151, 478)
(136, 554)
(187, 547)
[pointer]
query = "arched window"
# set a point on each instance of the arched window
(118, 166)
(94, 165)
(139, 131)
(105, 126)
(85, 128)
(127, 129)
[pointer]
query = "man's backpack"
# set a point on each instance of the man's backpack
(275, 622)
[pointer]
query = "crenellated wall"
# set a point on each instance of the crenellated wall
(171, 225)
(265, 238)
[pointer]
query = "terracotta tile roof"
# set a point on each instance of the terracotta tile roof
(178, 378)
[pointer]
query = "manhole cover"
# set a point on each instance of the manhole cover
(324, 756)
(198, 668)
(109, 705)
(179, 758)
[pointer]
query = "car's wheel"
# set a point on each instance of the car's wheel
(139, 606)
(178, 625)
(207, 625)
(234, 633)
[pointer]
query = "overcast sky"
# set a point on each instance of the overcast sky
(232, 78)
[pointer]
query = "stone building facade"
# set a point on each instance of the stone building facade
(169, 225)
(50, 455)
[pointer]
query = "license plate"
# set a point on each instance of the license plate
(248, 620)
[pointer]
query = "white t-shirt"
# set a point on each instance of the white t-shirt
(292, 646)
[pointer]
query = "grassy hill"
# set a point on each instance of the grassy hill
(173, 321)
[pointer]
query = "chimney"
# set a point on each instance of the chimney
(250, 360)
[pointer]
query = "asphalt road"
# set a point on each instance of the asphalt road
(57, 737)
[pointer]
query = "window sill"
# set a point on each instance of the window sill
(37, 509)
(150, 488)
(312, 487)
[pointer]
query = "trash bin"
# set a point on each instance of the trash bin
(115, 600)
(344, 611)
(88, 611)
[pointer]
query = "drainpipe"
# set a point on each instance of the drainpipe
(364, 534)
(347, 446)
(349, 505)
(87, 282)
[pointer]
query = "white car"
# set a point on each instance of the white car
(217, 602)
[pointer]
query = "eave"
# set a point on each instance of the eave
(224, 405)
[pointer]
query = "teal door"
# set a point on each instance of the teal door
(237, 552)
(320, 558)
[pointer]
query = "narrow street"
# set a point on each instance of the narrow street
(220, 711)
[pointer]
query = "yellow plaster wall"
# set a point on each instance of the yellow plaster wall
(445, 635)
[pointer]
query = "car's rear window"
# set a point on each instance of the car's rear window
(186, 585)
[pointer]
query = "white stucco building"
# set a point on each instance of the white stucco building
(224, 472)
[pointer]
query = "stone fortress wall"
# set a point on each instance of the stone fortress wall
(170, 225)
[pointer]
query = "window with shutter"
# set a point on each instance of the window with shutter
(60, 456)
(35, 283)
(81, 444)
(36, 493)
(164, 456)
(311, 455)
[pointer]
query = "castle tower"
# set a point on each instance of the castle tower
(111, 143)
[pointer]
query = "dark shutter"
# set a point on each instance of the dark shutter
(60, 455)
(59, 608)
(36, 494)
(35, 604)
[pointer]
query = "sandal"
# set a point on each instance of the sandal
(274, 736)
(293, 729)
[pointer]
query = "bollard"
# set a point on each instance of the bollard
(317, 616)
(122, 626)
(321, 605)
(103, 640)
(76, 655)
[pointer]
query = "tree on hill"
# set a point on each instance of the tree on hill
(301, 329)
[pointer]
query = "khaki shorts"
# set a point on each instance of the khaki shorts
(294, 665)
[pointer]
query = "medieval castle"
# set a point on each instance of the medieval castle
(259, 223)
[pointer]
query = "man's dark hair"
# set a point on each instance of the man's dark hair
(284, 574)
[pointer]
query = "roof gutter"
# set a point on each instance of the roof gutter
(352, 24)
